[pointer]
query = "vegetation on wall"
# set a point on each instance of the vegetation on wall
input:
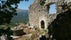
(42, 2)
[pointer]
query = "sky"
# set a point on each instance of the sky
(25, 6)
(52, 9)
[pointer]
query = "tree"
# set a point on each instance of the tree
(8, 10)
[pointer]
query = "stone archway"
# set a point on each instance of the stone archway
(42, 24)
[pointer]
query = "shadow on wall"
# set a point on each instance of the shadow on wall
(60, 28)
(43, 38)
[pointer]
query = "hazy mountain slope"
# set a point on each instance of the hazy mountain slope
(22, 17)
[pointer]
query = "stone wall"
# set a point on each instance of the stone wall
(38, 13)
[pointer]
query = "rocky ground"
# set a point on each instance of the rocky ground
(30, 33)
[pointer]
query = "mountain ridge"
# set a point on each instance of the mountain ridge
(22, 17)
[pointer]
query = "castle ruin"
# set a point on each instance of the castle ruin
(40, 17)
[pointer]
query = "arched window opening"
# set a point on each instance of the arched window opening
(42, 24)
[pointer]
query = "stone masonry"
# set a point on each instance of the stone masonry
(39, 13)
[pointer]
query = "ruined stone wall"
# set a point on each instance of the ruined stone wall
(37, 12)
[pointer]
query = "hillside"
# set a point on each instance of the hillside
(22, 17)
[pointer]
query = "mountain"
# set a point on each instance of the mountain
(21, 10)
(22, 17)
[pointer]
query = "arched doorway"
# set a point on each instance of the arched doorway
(42, 24)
